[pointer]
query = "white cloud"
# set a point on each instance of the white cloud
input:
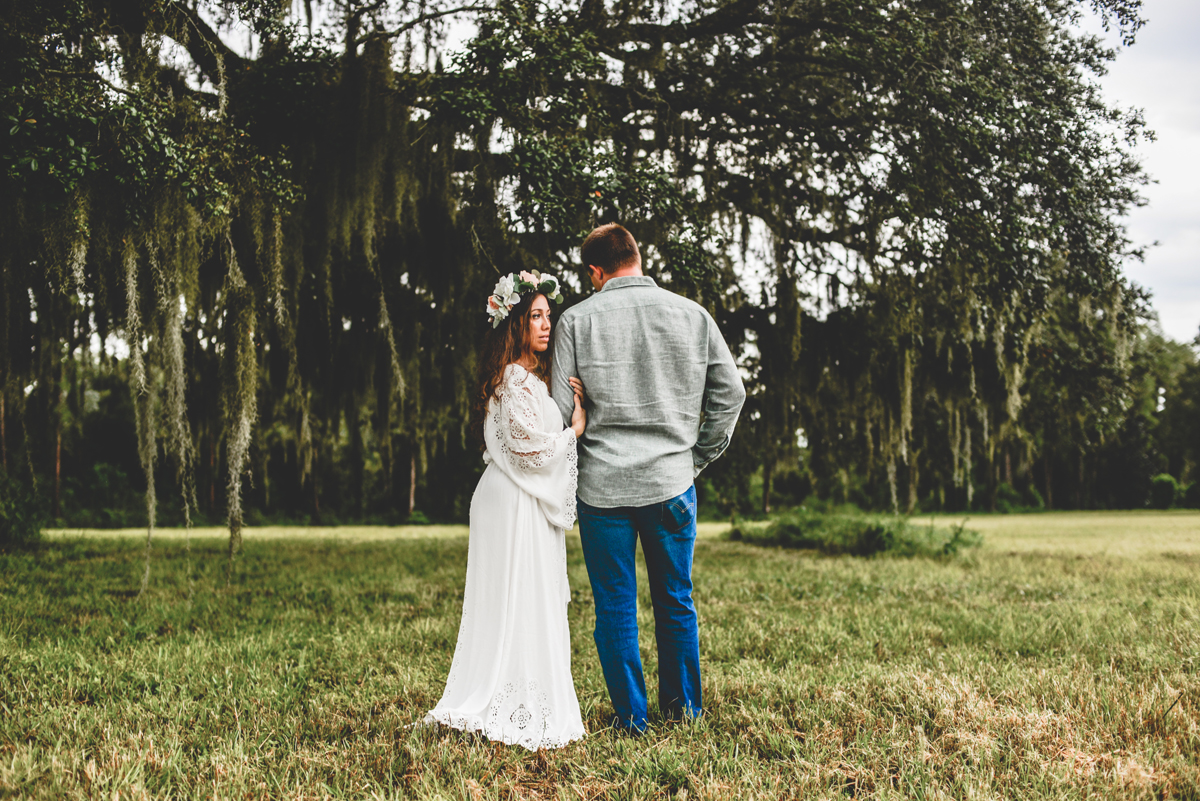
(1161, 75)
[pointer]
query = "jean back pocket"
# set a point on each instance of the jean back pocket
(679, 512)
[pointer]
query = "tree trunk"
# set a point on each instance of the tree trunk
(766, 487)
(3, 431)
(913, 488)
(387, 454)
(212, 475)
(58, 467)
(316, 489)
(891, 474)
(1049, 484)
(357, 473)
(1008, 474)
(412, 483)
(1079, 495)
(56, 409)
(993, 484)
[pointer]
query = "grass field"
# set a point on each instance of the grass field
(1060, 660)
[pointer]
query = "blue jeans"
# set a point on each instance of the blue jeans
(668, 533)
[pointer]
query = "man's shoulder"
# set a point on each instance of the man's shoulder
(629, 297)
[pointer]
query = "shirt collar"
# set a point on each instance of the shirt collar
(627, 280)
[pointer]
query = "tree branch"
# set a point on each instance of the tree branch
(93, 76)
(729, 19)
(205, 46)
(408, 26)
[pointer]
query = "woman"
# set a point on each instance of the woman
(511, 675)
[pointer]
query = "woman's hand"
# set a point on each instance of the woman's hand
(577, 388)
(579, 416)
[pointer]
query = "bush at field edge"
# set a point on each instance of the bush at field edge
(21, 515)
(1164, 491)
(857, 535)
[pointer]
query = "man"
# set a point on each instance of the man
(664, 396)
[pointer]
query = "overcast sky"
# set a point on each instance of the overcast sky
(1160, 73)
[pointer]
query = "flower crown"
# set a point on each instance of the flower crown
(511, 287)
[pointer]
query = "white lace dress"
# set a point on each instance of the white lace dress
(511, 674)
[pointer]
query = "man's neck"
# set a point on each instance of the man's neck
(621, 273)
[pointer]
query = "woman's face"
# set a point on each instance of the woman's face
(539, 324)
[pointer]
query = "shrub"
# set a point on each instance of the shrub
(1033, 498)
(1008, 500)
(1191, 497)
(857, 535)
(1164, 489)
(21, 515)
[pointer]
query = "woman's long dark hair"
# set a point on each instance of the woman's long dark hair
(504, 345)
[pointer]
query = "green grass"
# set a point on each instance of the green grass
(1041, 665)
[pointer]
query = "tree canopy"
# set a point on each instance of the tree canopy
(906, 217)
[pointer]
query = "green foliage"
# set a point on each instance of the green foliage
(1164, 490)
(1034, 498)
(908, 225)
(21, 514)
(857, 535)
(1010, 500)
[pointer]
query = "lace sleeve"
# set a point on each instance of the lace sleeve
(527, 446)
(526, 440)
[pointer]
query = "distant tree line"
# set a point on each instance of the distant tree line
(906, 217)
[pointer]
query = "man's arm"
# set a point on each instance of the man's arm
(724, 395)
(563, 368)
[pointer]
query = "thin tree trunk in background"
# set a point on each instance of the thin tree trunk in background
(412, 483)
(316, 489)
(912, 484)
(3, 432)
(992, 465)
(1049, 486)
(386, 460)
(1079, 485)
(58, 467)
(212, 475)
(768, 474)
(387, 454)
(357, 473)
(993, 483)
(1008, 477)
(57, 411)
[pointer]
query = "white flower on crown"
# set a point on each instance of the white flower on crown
(506, 291)
(496, 310)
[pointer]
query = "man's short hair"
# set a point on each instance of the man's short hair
(610, 247)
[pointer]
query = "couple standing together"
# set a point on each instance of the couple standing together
(662, 395)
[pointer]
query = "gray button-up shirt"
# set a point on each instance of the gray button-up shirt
(663, 391)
